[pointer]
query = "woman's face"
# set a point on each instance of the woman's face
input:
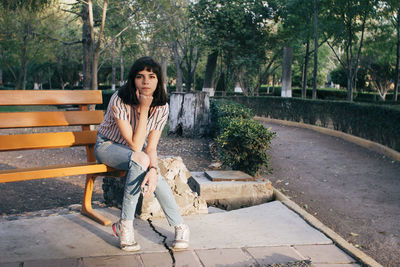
(146, 82)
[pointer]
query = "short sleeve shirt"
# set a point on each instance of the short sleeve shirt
(117, 109)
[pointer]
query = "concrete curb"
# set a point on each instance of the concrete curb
(348, 137)
(337, 239)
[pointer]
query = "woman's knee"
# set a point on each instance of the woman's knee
(141, 158)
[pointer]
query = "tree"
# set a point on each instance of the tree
(391, 10)
(24, 32)
(315, 22)
(380, 55)
(346, 23)
(242, 47)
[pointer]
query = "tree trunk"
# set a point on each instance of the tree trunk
(191, 63)
(164, 65)
(314, 91)
(287, 72)
(208, 84)
(396, 84)
(87, 46)
(22, 73)
(121, 63)
(25, 76)
(113, 67)
(97, 48)
(305, 70)
(50, 85)
(177, 61)
(349, 84)
(273, 83)
(189, 114)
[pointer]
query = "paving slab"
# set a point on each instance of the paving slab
(325, 254)
(112, 261)
(53, 263)
(273, 255)
(225, 257)
(231, 194)
(337, 265)
(186, 258)
(76, 236)
(218, 176)
(157, 259)
(269, 224)
(68, 236)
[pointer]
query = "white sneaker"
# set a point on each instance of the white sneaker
(124, 230)
(182, 234)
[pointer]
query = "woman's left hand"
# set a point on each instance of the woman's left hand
(151, 180)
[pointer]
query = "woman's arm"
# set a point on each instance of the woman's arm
(151, 177)
(136, 139)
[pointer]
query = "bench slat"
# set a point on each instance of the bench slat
(15, 175)
(46, 140)
(49, 97)
(50, 118)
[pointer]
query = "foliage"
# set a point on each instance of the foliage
(346, 24)
(243, 46)
(242, 142)
(222, 112)
(373, 122)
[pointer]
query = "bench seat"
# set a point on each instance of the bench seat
(86, 117)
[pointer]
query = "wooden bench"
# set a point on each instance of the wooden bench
(85, 136)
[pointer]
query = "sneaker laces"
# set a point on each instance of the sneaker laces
(182, 233)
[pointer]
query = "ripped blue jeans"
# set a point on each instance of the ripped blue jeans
(119, 157)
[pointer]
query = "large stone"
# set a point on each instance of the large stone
(176, 174)
(231, 195)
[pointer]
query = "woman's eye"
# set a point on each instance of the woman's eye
(138, 76)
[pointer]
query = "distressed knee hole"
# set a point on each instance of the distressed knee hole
(142, 159)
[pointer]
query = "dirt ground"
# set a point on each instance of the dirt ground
(350, 189)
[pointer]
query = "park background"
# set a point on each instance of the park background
(330, 63)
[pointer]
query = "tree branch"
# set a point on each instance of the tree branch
(58, 40)
(338, 58)
(113, 39)
(73, 12)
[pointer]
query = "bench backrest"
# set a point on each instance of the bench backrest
(82, 117)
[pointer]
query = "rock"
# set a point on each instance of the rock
(215, 165)
(75, 207)
(176, 175)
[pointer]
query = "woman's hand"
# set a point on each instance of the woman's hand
(151, 180)
(144, 100)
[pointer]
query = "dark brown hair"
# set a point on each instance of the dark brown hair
(128, 91)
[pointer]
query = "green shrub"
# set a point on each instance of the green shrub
(242, 142)
(243, 145)
(222, 111)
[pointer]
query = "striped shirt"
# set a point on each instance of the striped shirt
(117, 109)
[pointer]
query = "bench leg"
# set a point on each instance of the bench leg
(87, 202)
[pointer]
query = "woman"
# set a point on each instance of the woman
(127, 140)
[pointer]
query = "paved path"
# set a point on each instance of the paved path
(352, 190)
(265, 234)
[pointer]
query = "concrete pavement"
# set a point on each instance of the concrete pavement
(265, 234)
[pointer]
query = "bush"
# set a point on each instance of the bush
(242, 142)
(243, 145)
(222, 111)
